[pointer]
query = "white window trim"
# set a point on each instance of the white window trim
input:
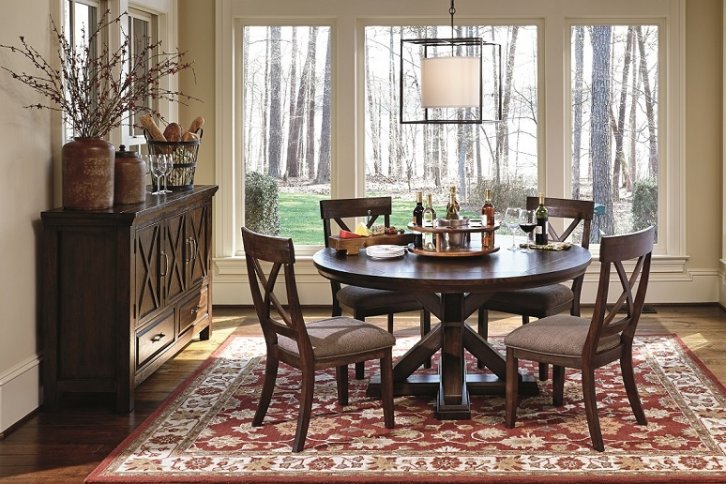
(347, 166)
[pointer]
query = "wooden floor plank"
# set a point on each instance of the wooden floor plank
(64, 447)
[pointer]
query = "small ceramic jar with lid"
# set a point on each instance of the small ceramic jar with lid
(130, 178)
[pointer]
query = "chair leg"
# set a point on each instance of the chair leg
(306, 405)
(593, 421)
(626, 367)
(390, 323)
(341, 376)
(482, 327)
(511, 389)
(558, 385)
(387, 388)
(425, 317)
(268, 386)
(543, 371)
(360, 366)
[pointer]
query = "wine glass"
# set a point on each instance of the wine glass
(527, 222)
(156, 167)
(511, 220)
(168, 167)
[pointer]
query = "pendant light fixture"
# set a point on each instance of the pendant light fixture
(448, 76)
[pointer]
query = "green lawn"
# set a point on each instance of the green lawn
(300, 216)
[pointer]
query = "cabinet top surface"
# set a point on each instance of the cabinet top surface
(152, 204)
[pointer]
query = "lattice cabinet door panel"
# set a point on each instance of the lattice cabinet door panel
(148, 270)
(174, 276)
(198, 243)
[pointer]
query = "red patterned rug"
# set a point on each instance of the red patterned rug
(203, 432)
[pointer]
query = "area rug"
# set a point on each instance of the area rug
(203, 432)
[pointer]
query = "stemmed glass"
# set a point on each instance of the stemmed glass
(511, 220)
(156, 168)
(168, 167)
(527, 222)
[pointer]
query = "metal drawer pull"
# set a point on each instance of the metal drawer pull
(166, 264)
(157, 337)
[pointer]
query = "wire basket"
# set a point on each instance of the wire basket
(184, 159)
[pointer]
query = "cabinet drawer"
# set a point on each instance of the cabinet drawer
(193, 308)
(154, 338)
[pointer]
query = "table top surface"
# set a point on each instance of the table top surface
(498, 271)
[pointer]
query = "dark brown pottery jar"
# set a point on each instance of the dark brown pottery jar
(130, 178)
(88, 174)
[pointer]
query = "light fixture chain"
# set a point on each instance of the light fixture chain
(452, 11)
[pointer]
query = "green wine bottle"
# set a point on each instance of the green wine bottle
(540, 232)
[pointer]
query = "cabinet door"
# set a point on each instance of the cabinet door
(198, 243)
(148, 270)
(174, 247)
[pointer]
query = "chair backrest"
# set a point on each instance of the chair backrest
(577, 210)
(280, 253)
(342, 208)
(620, 320)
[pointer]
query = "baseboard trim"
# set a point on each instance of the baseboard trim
(19, 393)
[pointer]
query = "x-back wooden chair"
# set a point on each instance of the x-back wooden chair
(362, 301)
(540, 302)
(329, 343)
(574, 342)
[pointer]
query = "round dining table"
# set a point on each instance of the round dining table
(452, 288)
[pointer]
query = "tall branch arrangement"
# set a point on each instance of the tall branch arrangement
(96, 88)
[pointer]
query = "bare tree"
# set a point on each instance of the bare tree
(649, 105)
(577, 115)
(634, 93)
(296, 116)
(310, 82)
(619, 124)
(323, 175)
(274, 152)
(373, 116)
(600, 128)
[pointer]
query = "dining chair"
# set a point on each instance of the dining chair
(575, 342)
(362, 301)
(329, 343)
(540, 302)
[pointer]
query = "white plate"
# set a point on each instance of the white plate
(385, 251)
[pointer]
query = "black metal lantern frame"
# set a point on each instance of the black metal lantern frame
(431, 48)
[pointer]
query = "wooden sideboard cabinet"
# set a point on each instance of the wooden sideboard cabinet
(123, 291)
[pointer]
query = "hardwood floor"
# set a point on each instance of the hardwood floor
(64, 447)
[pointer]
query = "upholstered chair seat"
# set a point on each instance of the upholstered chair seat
(341, 336)
(532, 301)
(562, 335)
(374, 300)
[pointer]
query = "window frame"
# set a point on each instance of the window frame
(348, 21)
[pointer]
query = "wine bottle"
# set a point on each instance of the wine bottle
(452, 192)
(487, 220)
(540, 233)
(487, 210)
(428, 218)
(452, 209)
(418, 219)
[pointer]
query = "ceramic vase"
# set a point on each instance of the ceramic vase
(88, 174)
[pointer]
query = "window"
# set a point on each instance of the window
(404, 158)
(80, 20)
(287, 125)
(615, 153)
(139, 30)
(533, 150)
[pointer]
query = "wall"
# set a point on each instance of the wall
(703, 134)
(196, 37)
(26, 188)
